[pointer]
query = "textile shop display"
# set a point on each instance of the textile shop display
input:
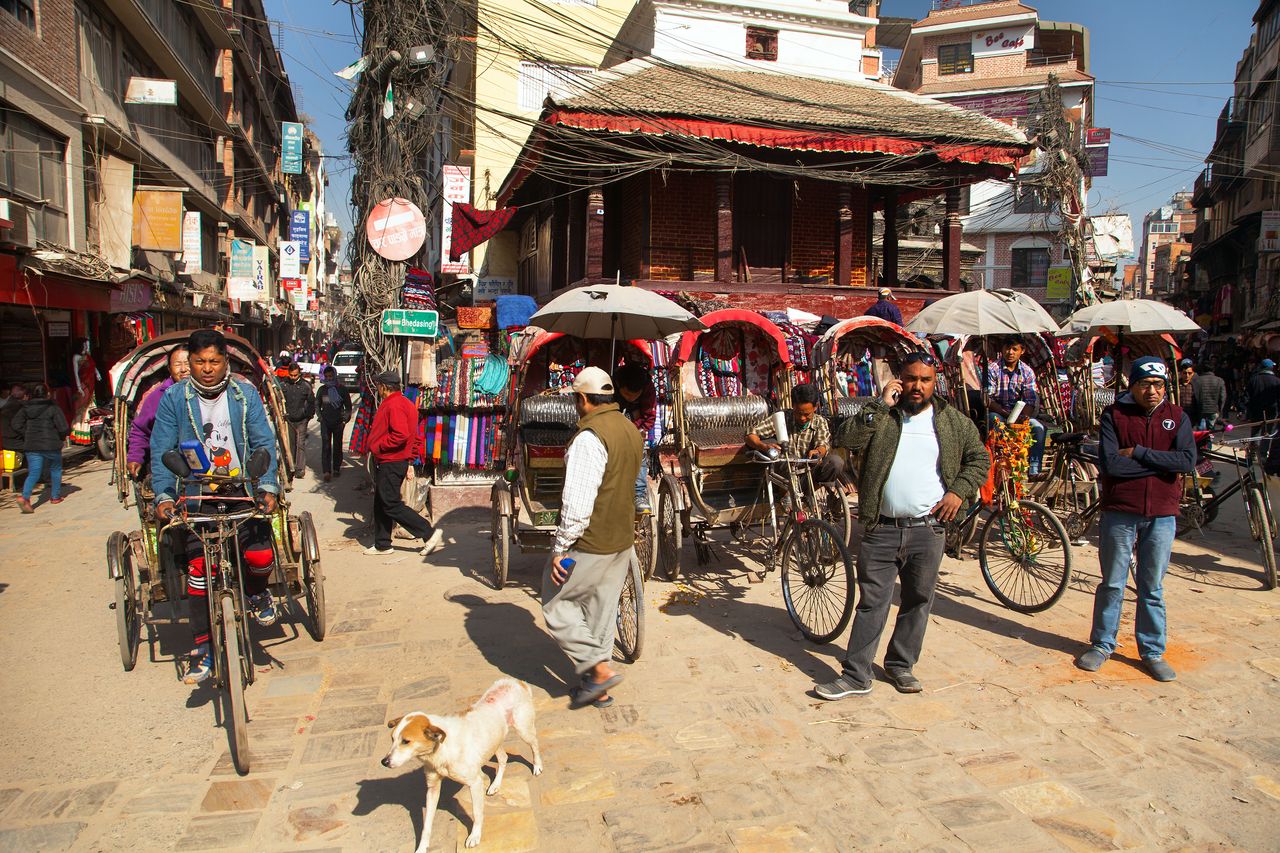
(514, 311)
(359, 441)
(419, 290)
(462, 412)
(734, 361)
(463, 440)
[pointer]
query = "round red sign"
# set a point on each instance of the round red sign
(396, 229)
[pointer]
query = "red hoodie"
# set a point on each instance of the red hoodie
(394, 435)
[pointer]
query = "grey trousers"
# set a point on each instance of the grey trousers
(298, 444)
(887, 554)
(582, 615)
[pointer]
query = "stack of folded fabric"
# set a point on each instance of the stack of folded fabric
(419, 290)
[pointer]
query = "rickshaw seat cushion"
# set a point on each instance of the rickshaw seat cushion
(717, 427)
(547, 423)
(549, 410)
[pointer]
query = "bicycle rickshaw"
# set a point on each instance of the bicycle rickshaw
(540, 423)
(1095, 389)
(724, 380)
(148, 565)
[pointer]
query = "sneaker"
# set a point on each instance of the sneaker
(435, 543)
(1159, 670)
(200, 666)
(263, 608)
(375, 551)
(1092, 660)
(904, 681)
(842, 687)
(24, 504)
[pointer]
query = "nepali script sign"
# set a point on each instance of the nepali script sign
(410, 324)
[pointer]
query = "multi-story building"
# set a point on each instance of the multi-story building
(140, 138)
(1167, 264)
(1233, 278)
(996, 57)
(1171, 223)
(525, 51)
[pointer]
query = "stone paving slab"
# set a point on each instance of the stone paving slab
(715, 741)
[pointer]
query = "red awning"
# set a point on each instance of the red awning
(689, 340)
(773, 137)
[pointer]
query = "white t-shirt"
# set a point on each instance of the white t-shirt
(215, 417)
(914, 486)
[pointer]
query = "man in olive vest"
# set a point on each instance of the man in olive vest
(596, 537)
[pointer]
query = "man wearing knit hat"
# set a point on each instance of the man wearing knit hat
(1146, 447)
(595, 541)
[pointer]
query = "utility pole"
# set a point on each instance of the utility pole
(1061, 180)
(394, 121)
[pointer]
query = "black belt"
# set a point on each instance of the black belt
(921, 521)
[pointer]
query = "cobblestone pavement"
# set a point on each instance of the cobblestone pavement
(714, 742)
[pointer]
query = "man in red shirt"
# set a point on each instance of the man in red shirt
(394, 441)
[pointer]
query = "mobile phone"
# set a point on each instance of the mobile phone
(193, 452)
(895, 396)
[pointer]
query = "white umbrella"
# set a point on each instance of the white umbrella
(983, 312)
(1132, 316)
(614, 312)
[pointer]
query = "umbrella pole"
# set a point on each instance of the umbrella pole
(613, 343)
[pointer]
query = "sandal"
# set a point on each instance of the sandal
(589, 691)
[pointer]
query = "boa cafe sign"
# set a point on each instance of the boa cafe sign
(1009, 40)
(396, 229)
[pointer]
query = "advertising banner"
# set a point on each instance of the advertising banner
(192, 243)
(157, 220)
(457, 187)
(1059, 284)
(300, 232)
(290, 267)
(1269, 235)
(240, 283)
(291, 148)
(263, 283)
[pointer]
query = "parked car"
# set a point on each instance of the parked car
(347, 363)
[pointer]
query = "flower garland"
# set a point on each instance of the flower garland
(1010, 447)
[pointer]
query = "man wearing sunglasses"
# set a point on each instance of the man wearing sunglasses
(918, 460)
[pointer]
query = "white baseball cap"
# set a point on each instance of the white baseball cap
(593, 380)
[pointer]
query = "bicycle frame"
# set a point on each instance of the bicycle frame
(1246, 475)
(797, 480)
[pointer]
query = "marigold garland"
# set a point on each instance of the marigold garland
(1010, 447)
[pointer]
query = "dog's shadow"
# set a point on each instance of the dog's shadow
(409, 790)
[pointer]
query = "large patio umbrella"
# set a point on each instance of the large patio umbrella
(983, 312)
(1131, 316)
(614, 312)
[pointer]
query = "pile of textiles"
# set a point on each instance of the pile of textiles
(461, 384)
(458, 439)
(419, 291)
(359, 442)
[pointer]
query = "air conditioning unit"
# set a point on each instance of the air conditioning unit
(23, 232)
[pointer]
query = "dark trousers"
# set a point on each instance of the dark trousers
(388, 507)
(331, 447)
(298, 445)
(257, 559)
(888, 553)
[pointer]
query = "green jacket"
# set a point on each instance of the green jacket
(872, 438)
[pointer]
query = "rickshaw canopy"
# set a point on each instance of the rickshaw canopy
(689, 340)
(880, 331)
(131, 373)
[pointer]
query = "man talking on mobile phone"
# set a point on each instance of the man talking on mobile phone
(919, 459)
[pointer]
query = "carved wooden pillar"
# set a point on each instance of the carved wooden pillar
(595, 233)
(951, 236)
(890, 242)
(844, 235)
(724, 227)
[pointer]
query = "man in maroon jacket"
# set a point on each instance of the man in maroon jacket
(1146, 447)
(394, 441)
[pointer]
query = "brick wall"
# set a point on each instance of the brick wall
(813, 228)
(51, 49)
(859, 203)
(630, 206)
(682, 226)
(984, 67)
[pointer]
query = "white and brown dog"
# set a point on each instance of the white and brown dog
(458, 747)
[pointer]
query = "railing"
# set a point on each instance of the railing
(1228, 122)
(1040, 60)
(187, 41)
(940, 5)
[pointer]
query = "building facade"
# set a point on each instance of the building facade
(996, 58)
(1174, 222)
(141, 138)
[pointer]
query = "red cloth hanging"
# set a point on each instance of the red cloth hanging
(471, 227)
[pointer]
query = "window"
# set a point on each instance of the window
(23, 10)
(1030, 199)
(98, 53)
(538, 80)
(955, 59)
(33, 170)
(1269, 27)
(1030, 268)
(762, 44)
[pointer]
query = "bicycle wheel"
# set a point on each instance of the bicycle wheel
(833, 506)
(646, 555)
(817, 579)
(1260, 522)
(120, 559)
(1025, 557)
(501, 537)
(312, 578)
(630, 636)
(1071, 498)
(669, 531)
(237, 716)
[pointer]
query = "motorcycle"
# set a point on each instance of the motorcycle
(102, 432)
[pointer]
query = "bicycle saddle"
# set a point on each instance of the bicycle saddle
(1068, 437)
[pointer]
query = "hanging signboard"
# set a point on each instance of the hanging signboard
(157, 220)
(410, 324)
(396, 229)
(291, 148)
(192, 244)
(1059, 284)
(144, 90)
(290, 267)
(1008, 40)
(240, 284)
(262, 282)
(1098, 160)
(488, 289)
(300, 232)
(1097, 136)
(1269, 233)
(457, 187)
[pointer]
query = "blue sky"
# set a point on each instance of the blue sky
(1164, 69)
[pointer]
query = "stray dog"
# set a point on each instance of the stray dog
(458, 747)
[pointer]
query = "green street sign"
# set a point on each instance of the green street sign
(410, 324)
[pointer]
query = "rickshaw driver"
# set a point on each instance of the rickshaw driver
(810, 434)
(1010, 381)
(225, 414)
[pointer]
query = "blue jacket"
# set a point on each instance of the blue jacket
(176, 421)
(885, 310)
